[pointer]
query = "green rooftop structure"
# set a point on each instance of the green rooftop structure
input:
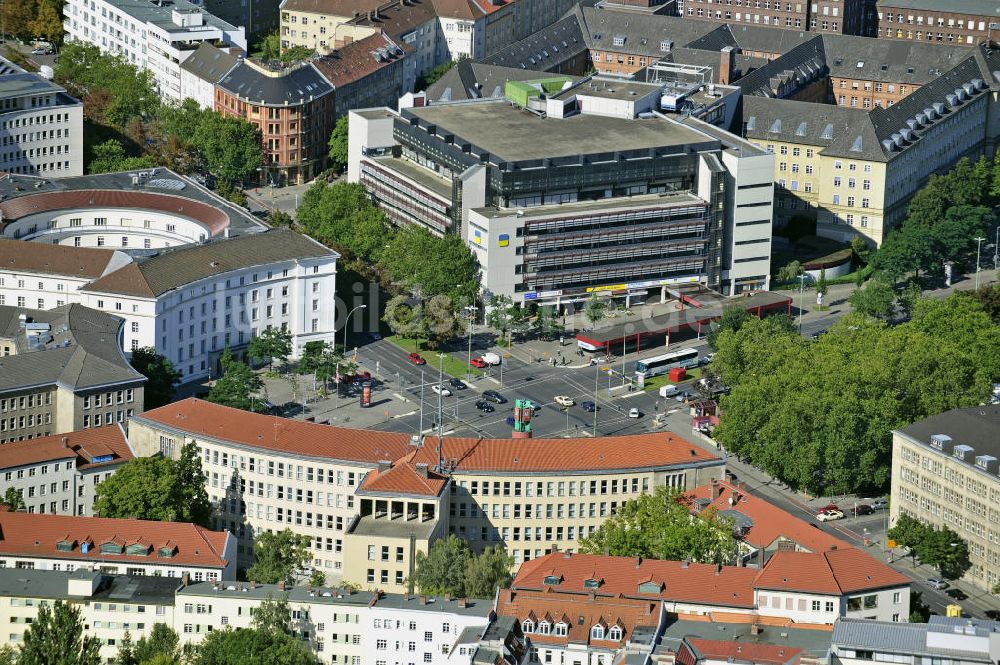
(520, 92)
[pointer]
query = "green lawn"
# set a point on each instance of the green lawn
(453, 366)
(655, 382)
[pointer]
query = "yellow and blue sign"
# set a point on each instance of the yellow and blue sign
(504, 239)
(477, 237)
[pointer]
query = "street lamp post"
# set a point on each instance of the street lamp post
(597, 375)
(979, 245)
(470, 309)
(996, 252)
(346, 320)
(421, 403)
(802, 286)
(440, 416)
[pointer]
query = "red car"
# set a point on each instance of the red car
(478, 363)
(416, 359)
(363, 375)
(828, 507)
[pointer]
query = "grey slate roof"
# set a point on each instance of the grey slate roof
(903, 638)
(815, 642)
(251, 84)
(977, 7)
(210, 63)
(798, 122)
(767, 40)
(978, 427)
(643, 32)
(162, 14)
(81, 351)
(176, 267)
(544, 50)
(473, 80)
(892, 60)
(804, 63)
(54, 585)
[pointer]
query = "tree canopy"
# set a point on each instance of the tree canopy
(237, 385)
(113, 91)
(161, 377)
(732, 319)
(343, 216)
(421, 261)
(660, 526)
(272, 344)
(451, 567)
(276, 556)
(110, 157)
(936, 546)
(161, 643)
(157, 488)
(338, 143)
(818, 415)
(252, 646)
(231, 147)
(56, 636)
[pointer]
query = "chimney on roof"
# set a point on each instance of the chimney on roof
(739, 562)
(65, 442)
(422, 469)
(463, 602)
(638, 562)
(185, 579)
(833, 547)
(716, 488)
(447, 596)
(281, 585)
(727, 64)
(718, 569)
(406, 595)
(567, 554)
(422, 599)
(755, 629)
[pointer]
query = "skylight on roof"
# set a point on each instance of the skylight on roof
(827, 132)
(801, 130)
(861, 64)
(858, 144)
(776, 126)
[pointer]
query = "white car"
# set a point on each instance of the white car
(633, 413)
(829, 515)
(441, 390)
(668, 390)
(491, 358)
(563, 400)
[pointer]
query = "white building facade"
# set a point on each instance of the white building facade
(152, 36)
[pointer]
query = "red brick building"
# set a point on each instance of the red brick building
(956, 22)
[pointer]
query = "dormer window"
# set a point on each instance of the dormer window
(137, 549)
(527, 626)
(111, 548)
(65, 545)
(597, 632)
(552, 580)
(561, 629)
(649, 587)
(544, 628)
(167, 551)
(591, 584)
(615, 634)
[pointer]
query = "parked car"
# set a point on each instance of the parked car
(491, 358)
(457, 384)
(830, 506)
(935, 583)
(494, 396)
(863, 509)
(829, 515)
(634, 412)
(589, 407)
(417, 359)
(510, 420)
(485, 406)
(683, 397)
(441, 390)
(816, 335)
(374, 336)
(957, 594)
(668, 390)
(40, 51)
(880, 504)
(478, 363)
(564, 400)
(363, 375)
(706, 359)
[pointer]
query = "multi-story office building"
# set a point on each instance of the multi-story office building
(153, 36)
(592, 186)
(110, 605)
(58, 474)
(257, 19)
(115, 546)
(63, 370)
(960, 22)
(351, 489)
(945, 473)
(830, 16)
(42, 125)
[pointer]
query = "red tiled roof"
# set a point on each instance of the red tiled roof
(580, 613)
(769, 521)
(281, 434)
(834, 572)
(36, 535)
(20, 256)
(730, 586)
(638, 451)
(760, 654)
(403, 478)
(214, 219)
(82, 446)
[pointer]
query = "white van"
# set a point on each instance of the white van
(668, 390)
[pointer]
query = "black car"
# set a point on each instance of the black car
(589, 407)
(494, 396)
(485, 406)
(957, 594)
(863, 509)
(457, 384)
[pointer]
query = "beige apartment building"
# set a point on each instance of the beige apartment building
(63, 370)
(371, 500)
(945, 473)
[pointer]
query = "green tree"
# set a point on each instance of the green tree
(296, 54)
(342, 216)
(268, 48)
(732, 319)
(920, 612)
(945, 550)
(18, 17)
(441, 322)
(548, 322)
(404, 316)
(338, 143)
(114, 91)
(48, 24)
(126, 651)
(280, 219)
(231, 147)
(161, 377)
(862, 251)
(909, 532)
(876, 299)
(236, 386)
(252, 647)
(821, 287)
(276, 556)
(272, 343)
(443, 569)
(189, 488)
(417, 259)
(322, 359)
(503, 314)
(928, 205)
(110, 157)
(488, 571)
(431, 77)
(988, 298)
(317, 579)
(14, 498)
(595, 308)
(789, 272)
(8, 655)
(182, 120)
(660, 526)
(56, 636)
(162, 642)
(273, 615)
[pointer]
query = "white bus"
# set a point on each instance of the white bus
(662, 364)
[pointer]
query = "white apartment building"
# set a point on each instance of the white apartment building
(58, 474)
(115, 546)
(41, 125)
(155, 35)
